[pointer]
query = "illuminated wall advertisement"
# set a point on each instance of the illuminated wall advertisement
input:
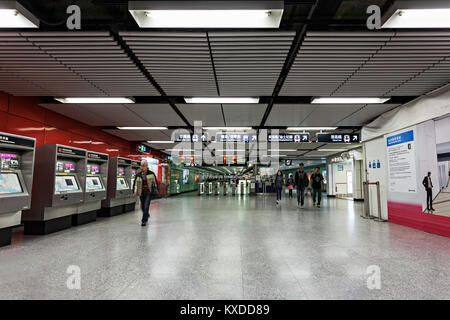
(185, 176)
(401, 162)
(153, 165)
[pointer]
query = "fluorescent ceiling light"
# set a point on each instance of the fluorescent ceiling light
(228, 128)
(207, 14)
(310, 128)
(95, 100)
(142, 128)
(282, 150)
(160, 141)
(344, 100)
(417, 14)
(13, 15)
(328, 150)
(223, 100)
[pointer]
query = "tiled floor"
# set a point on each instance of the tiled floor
(229, 247)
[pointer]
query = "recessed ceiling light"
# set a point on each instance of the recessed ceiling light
(417, 14)
(161, 141)
(14, 15)
(343, 100)
(329, 150)
(95, 100)
(310, 128)
(207, 14)
(222, 100)
(142, 128)
(228, 128)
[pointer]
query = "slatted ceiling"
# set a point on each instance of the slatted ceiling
(179, 62)
(428, 80)
(408, 55)
(98, 59)
(243, 114)
(325, 60)
(209, 114)
(249, 63)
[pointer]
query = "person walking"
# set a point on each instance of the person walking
(145, 185)
(279, 183)
(316, 186)
(429, 189)
(301, 182)
(290, 184)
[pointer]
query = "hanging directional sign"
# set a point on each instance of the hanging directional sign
(187, 137)
(236, 137)
(288, 137)
(338, 137)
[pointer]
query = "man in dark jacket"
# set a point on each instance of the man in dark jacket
(145, 184)
(429, 189)
(301, 182)
(316, 186)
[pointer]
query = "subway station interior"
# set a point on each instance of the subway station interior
(225, 150)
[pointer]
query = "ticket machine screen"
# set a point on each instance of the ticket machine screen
(121, 184)
(93, 184)
(9, 183)
(65, 183)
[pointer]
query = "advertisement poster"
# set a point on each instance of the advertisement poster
(185, 176)
(401, 162)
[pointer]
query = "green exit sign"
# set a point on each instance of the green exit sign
(142, 148)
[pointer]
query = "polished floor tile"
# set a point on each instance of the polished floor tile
(230, 247)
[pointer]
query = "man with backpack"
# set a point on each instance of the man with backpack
(316, 186)
(301, 182)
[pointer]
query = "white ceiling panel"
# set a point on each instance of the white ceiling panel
(99, 114)
(289, 114)
(326, 115)
(157, 114)
(366, 114)
(249, 63)
(140, 135)
(244, 114)
(209, 114)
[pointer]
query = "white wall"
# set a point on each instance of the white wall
(376, 150)
(427, 156)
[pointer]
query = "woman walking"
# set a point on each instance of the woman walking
(290, 184)
(279, 183)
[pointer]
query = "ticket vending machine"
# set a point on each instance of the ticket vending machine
(130, 202)
(16, 181)
(59, 181)
(95, 189)
(118, 188)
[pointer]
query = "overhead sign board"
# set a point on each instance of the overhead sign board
(236, 137)
(187, 137)
(338, 137)
(289, 137)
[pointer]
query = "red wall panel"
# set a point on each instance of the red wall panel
(25, 107)
(23, 116)
(3, 103)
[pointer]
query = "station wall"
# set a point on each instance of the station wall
(23, 116)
